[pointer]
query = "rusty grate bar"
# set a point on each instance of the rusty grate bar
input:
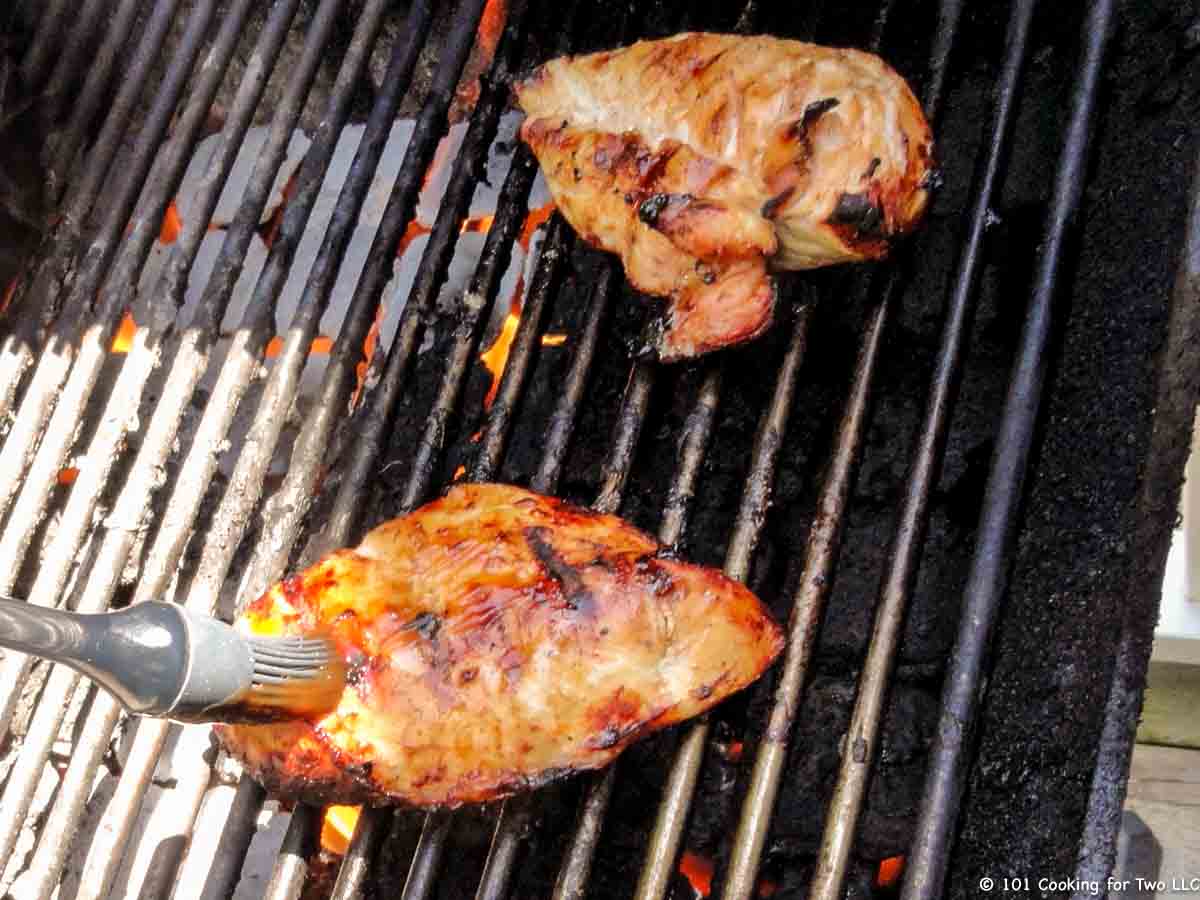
(38, 297)
(904, 557)
(998, 520)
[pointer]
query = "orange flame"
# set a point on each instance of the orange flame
(553, 340)
(123, 339)
(698, 870)
(320, 345)
(459, 473)
(68, 475)
(338, 828)
(171, 226)
(496, 355)
(889, 872)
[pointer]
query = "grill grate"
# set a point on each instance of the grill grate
(99, 249)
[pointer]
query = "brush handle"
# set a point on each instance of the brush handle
(139, 654)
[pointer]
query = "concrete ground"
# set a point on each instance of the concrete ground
(1159, 851)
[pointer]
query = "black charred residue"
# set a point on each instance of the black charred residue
(652, 207)
(858, 212)
(873, 167)
(575, 592)
(655, 578)
(811, 113)
(426, 624)
(772, 206)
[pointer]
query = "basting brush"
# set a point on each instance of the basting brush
(162, 660)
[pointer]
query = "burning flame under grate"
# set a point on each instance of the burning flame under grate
(151, 250)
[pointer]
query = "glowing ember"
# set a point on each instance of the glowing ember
(369, 343)
(767, 888)
(68, 475)
(477, 225)
(171, 226)
(123, 339)
(553, 340)
(8, 293)
(889, 872)
(338, 828)
(459, 473)
(320, 345)
(532, 221)
(269, 229)
(698, 870)
(415, 229)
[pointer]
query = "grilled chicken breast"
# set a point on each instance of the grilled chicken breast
(703, 160)
(497, 640)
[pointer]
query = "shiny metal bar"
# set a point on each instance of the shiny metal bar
(998, 521)
(841, 819)
(667, 836)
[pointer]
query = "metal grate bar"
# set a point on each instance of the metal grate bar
(988, 577)
(52, 575)
(85, 106)
(291, 502)
(824, 537)
(45, 394)
(73, 58)
(64, 423)
(194, 478)
(667, 837)
(127, 516)
(44, 41)
(480, 297)
(555, 248)
(38, 298)
(842, 817)
(272, 555)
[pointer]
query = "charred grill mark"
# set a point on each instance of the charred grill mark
(812, 112)
(772, 206)
(575, 593)
(858, 212)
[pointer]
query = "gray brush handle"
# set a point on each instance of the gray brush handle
(139, 654)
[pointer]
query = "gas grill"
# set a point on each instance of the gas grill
(194, 402)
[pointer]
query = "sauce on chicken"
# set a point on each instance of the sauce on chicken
(497, 640)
